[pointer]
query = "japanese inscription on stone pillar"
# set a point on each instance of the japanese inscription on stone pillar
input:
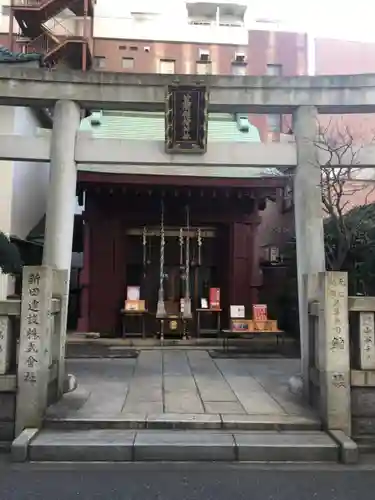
(31, 331)
(334, 352)
(337, 328)
(33, 364)
(4, 344)
(186, 119)
(367, 340)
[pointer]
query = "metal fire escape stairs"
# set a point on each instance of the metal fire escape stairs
(40, 31)
(35, 36)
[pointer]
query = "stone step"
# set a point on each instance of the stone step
(198, 421)
(112, 445)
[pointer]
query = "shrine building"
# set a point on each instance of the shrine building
(191, 227)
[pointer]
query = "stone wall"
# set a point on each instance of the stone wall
(363, 404)
(7, 408)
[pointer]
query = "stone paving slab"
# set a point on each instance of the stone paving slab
(259, 422)
(186, 421)
(285, 447)
(178, 421)
(182, 445)
(77, 422)
(224, 407)
(182, 383)
(83, 446)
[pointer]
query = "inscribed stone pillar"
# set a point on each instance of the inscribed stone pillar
(367, 340)
(34, 347)
(5, 337)
(308, 218)
(333, 351)
(61, 203)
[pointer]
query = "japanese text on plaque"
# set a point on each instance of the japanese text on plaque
(33, 332)
(336, 305)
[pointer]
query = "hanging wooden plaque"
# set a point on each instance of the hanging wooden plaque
(186, 119)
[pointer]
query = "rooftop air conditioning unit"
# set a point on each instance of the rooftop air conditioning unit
(96, 118)
(240, 57)
(204, 55)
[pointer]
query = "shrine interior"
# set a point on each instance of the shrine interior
(185, 240)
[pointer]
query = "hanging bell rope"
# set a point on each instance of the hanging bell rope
(187, 302)
(181, 242)
(199, 242)
(144, 244)
(160, 310)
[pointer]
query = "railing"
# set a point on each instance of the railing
(53, 35)
(32, 342)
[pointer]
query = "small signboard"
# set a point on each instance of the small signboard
(133, 293)
(241, 325)
(214, 298)
(260, 312)
(186, 119)
(237, 311)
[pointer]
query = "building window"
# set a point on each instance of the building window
(133, 47)
(274, 123)
(274, 70)
(204, 68)
(99, 62)
(167, 66)
(239, 69)
(204, 55)
(122, 47)
(127, 63)
(5, 10)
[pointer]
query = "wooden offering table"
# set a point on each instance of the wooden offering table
(212, 312)
(251, 329)
(133, 309)
(170, 325)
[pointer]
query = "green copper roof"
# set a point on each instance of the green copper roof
(7, 56)
(150, 127)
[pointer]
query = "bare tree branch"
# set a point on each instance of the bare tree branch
(340, 190)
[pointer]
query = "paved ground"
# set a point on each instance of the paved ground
(184, 482)
(182, 382)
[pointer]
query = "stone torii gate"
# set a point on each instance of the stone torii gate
(304, 97)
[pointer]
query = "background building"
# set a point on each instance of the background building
(212, 37)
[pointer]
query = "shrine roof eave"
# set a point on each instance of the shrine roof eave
(185, 171)
(105, 178)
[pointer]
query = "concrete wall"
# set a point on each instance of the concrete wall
(6, 189)
(23, 185)
(30, 182)
(7, 413)
(363, 412)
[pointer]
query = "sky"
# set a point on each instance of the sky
(342, 19)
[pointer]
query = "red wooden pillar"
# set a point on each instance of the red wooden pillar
(244, 265)
(107, 277)
(255, 273)
(240, 258)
